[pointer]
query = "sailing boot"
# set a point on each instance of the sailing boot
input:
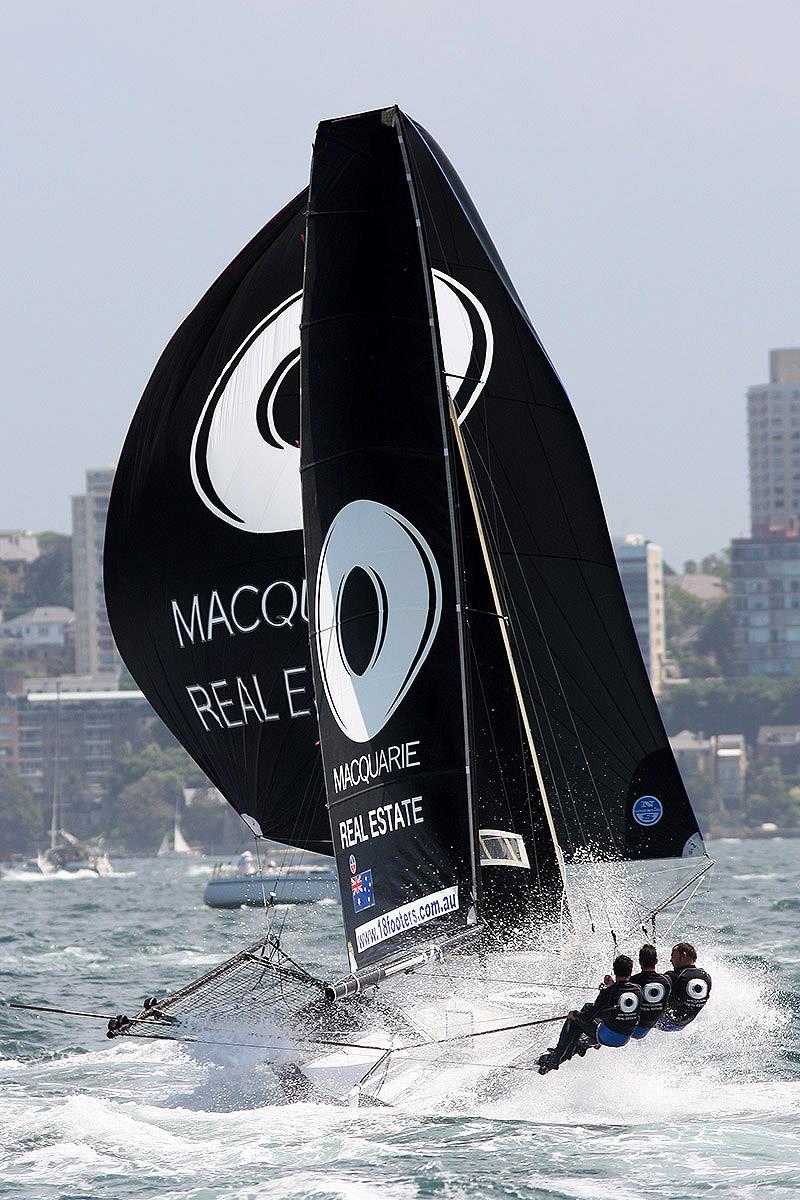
(547, 1062)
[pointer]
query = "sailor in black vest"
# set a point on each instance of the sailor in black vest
(656, 990)
(609, 1021)
(691, 987)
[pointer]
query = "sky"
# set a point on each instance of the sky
(636, 164)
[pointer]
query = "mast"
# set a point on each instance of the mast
(458, 570)
(55, 811)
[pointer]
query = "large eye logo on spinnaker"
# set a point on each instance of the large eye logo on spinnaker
(378, 601)
(245, 456)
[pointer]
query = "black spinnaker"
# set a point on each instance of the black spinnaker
(204, 550)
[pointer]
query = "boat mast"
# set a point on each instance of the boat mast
(503, 620)
(393, 116)
(55, 813)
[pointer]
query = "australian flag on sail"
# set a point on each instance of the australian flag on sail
(363, 896)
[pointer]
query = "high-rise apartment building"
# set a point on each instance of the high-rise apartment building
(765, 568)
(68, 742)
(95, 652)
(765, 583)
(641, 568)
(773, 422)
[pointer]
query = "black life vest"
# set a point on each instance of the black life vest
(656, 990)
(691, 987)
(618, 1006)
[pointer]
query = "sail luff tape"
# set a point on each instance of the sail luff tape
(462, 450)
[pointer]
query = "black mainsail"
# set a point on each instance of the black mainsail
(381, 554)
(204, 550)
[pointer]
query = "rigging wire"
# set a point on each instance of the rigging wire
(500, 569)
(653, 913)
(684, 906)
(497, 598)
(517, 557)
(525, 663)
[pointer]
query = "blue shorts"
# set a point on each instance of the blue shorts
(641, 1031)
(610, 1037)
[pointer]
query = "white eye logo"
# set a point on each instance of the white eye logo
(378, 600)
(654, 992)
(465, 332)
(697, 989)
(628, 1002)
(245, 456)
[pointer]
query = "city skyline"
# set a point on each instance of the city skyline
(625, 164)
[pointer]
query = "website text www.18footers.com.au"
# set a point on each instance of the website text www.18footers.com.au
(417, 912)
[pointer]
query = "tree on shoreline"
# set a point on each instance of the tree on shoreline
(21, 814)
(731, 705)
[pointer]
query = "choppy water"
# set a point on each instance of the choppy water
(713, 1111)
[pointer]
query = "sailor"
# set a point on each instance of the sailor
(608, 1021)
(655, 992)
(245, 865)
(691, 987)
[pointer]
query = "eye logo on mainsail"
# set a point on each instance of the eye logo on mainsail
(245, 456)
(467, 341)
(378, 601)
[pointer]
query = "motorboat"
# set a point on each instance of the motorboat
(244, 884)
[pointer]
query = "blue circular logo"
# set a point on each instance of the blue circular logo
(648, 810)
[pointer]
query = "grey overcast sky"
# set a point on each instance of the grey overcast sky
(636, 163)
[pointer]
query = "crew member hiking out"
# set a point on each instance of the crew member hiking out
(608, 1021)
(691, 987)
(656, 989)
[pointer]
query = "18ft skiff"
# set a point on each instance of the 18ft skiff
(356, 558)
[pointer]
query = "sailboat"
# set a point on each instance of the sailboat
(357, 560)
(66, 852)
(173, 841)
